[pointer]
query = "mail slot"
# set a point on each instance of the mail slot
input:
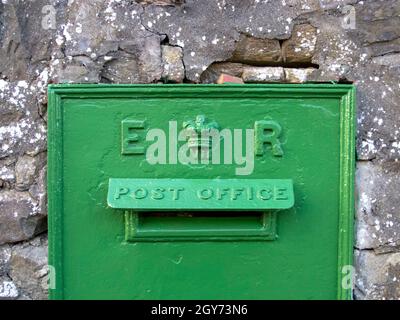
(201, 191)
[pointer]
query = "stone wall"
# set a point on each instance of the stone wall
(194, 41)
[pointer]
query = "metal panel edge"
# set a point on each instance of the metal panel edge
(55, 187)
(346, 200)
(346, 94)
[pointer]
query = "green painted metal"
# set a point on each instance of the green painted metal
(302, 133)
(200, 194)
(197, 226)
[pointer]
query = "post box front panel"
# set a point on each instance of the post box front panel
(126, 226)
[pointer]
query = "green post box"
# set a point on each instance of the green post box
(201, 191)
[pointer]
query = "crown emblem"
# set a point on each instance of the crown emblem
(199, 141)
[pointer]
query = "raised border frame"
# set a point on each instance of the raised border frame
(344, 92)
(263, 230)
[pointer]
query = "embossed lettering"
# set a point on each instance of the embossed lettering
(140, 193)
(249, 193)
(157, 194)
(236, 192)
(198, 194)
(175, 192)
(264, 194)
(222, 192)
(130, 137)
(205, 194)
(120, 191)
(203, 143)
(281, 193)
(267, 132)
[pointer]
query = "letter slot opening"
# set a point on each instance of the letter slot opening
(199, 226)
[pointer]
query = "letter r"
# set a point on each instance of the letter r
(267, 132)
